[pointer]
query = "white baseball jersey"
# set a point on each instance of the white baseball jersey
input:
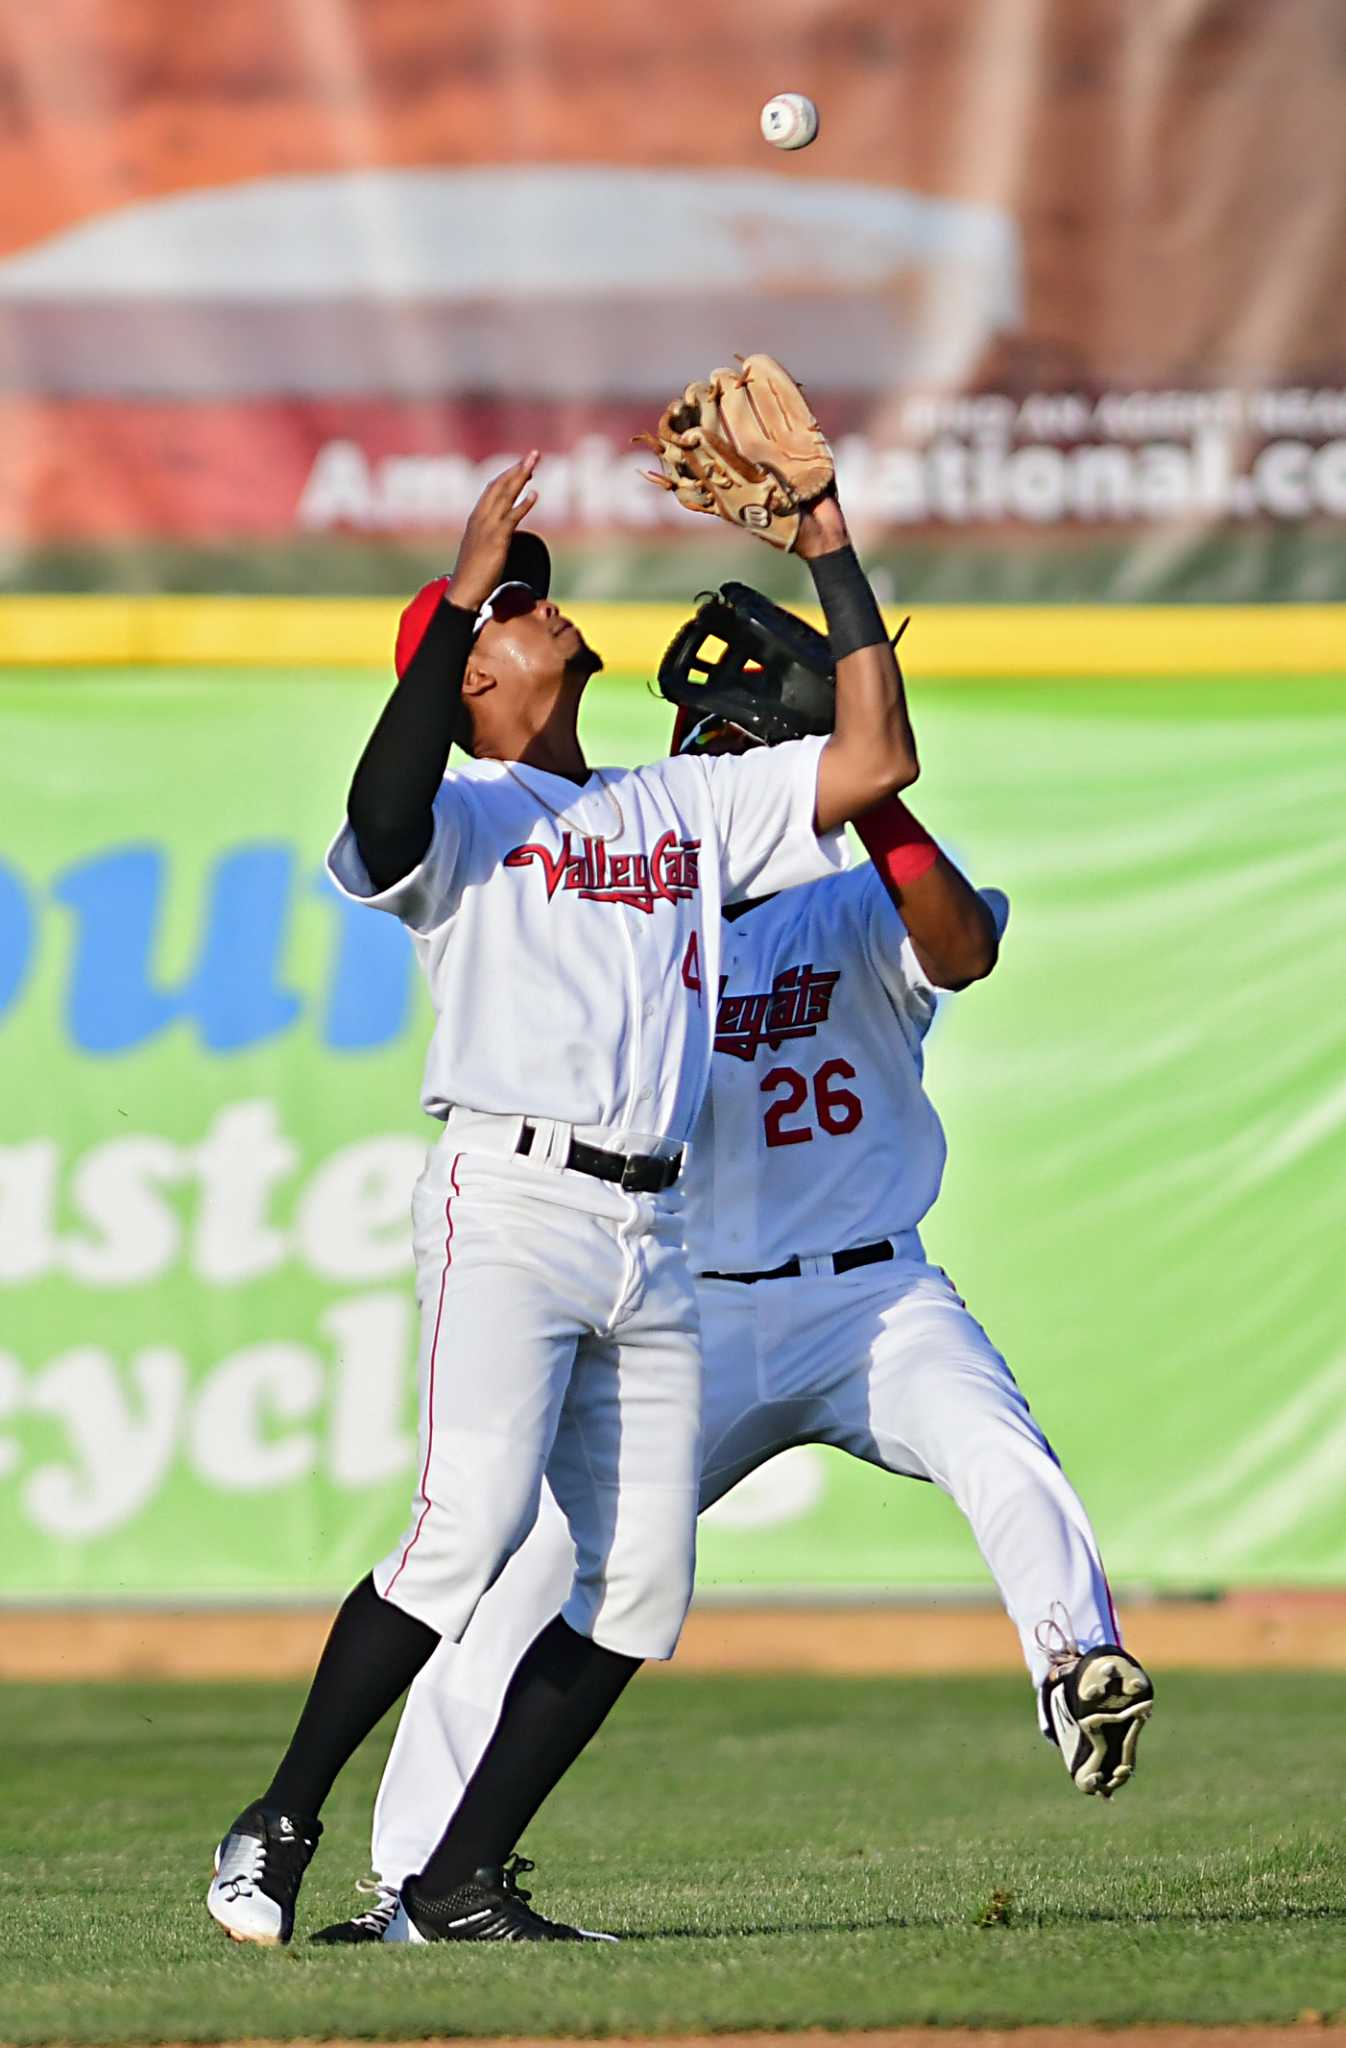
(817, 1133)
(571, 935)
(571, 940)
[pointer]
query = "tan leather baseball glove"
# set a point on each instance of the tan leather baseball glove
(744, 445)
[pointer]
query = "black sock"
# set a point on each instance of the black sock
(559, 1697)
(370, 1658)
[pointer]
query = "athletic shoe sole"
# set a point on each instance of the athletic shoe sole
(1115, 1699)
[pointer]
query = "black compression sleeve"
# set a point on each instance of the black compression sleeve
(392, 794)
(849, 605)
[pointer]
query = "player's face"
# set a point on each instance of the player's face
(534, 647)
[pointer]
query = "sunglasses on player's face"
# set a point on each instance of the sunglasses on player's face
(507, 601)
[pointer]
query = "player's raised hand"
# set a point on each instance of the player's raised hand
(489, 531)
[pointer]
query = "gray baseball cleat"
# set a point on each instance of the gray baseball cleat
(1095, 1703)
(373, 1923)
(259, 1867)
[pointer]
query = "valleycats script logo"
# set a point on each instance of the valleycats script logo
(668, 875)
(797, 1002)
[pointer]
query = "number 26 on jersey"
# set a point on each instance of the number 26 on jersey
(793, 1116)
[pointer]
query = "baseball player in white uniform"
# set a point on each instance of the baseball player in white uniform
(816, 1155)
(569, 924)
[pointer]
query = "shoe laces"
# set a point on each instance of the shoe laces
(242, 1866)
(511, 1872)
(291, 1842)
(1056, 1639)
(277, 1856)
(380, 1916)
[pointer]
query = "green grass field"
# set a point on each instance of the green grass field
(780, 1852)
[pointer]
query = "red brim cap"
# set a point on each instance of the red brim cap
(412, 625)
(528, 561)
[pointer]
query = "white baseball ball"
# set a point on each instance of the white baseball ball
(790, 121)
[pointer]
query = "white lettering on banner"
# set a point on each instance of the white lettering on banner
(895, 485)
(121, 1438)
(12, 1390)
(264, 1417)
(1329, 475)
(962, 483)
(783, 1490)
(959, 459)
(117, 1189)
(232, 1438)
(926, 415)
(241, 1162)
(416, 490)
(595, 483)
(350, 1221)
(369, 1441)
(1297, 411)
(231, 1209)
(352, 1217)
(28, 1182)
(1143, 415)
(339, 490)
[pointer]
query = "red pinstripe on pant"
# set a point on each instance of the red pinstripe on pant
(430, 1391)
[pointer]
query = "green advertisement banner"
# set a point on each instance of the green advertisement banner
(210, 1130)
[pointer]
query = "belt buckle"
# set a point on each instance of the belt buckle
(634, 1174)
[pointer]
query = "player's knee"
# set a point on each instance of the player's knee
(1003, 1471)
(978, 1415)
(459, 1542)
(635, 1599)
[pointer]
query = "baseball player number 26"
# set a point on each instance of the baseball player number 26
(836, 1109)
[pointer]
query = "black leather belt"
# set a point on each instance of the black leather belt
(637, 1173)
(842, 1262)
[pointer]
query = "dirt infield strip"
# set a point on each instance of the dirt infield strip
(1247, 1631)
(1309, 2028)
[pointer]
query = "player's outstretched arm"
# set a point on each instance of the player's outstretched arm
(950, 925)
(392, 795)
(872, 752)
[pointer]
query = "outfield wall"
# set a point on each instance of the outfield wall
(1078, 641)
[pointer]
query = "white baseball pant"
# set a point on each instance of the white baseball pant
(558, 1340)
(884, 1362)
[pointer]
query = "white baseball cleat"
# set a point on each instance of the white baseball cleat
(1096, 1703)
(258, 1870)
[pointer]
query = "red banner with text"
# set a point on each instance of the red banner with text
(278, 286)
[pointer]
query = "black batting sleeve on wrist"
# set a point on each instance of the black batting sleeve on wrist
(392, 793)
(849, 605)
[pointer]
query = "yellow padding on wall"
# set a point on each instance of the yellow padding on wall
(944, 640)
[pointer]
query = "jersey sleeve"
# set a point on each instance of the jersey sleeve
(427, 897)
(892, 955)
(764, 803)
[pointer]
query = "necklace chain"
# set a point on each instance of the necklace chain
(569, 823)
